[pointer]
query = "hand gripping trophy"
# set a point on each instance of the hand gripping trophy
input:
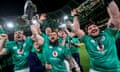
(30, 10)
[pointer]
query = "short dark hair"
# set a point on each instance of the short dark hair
(55, 32)
(89, 23)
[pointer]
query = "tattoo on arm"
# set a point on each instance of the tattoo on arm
(111, 25)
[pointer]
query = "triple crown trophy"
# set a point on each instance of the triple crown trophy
(30, 10)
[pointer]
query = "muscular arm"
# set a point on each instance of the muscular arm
(3, 51)
(76, 28)
(39, 39)
(76, 23)
(36, 34)
(3, 38)
(114, 14)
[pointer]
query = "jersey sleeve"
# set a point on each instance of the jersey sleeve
(114, 33)
(2, 31)
(84, 38)
(29, 43)
(77, 40)
(67, 52)
(46, 38)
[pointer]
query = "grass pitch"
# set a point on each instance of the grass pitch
(84, 58)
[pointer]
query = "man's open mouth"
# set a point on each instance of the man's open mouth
(94, 31)
(52, 38)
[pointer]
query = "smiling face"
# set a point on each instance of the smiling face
(93, 30)
(60, 33)
(18, 35)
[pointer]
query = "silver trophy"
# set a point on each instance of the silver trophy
(29, 10)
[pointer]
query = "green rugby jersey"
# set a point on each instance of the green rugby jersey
(103, 58)
(2, 31)
(56, 56)
(74, 49)
(6, 60)
(39, 54)
(67, 42)
(46, 37)
(19, 60)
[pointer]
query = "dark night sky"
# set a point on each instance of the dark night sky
(9, 8)
(16, 7)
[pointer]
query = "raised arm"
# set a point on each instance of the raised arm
(35, 29)
(75, 19)
(114, 14)
(3, 38)
(76, 28)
